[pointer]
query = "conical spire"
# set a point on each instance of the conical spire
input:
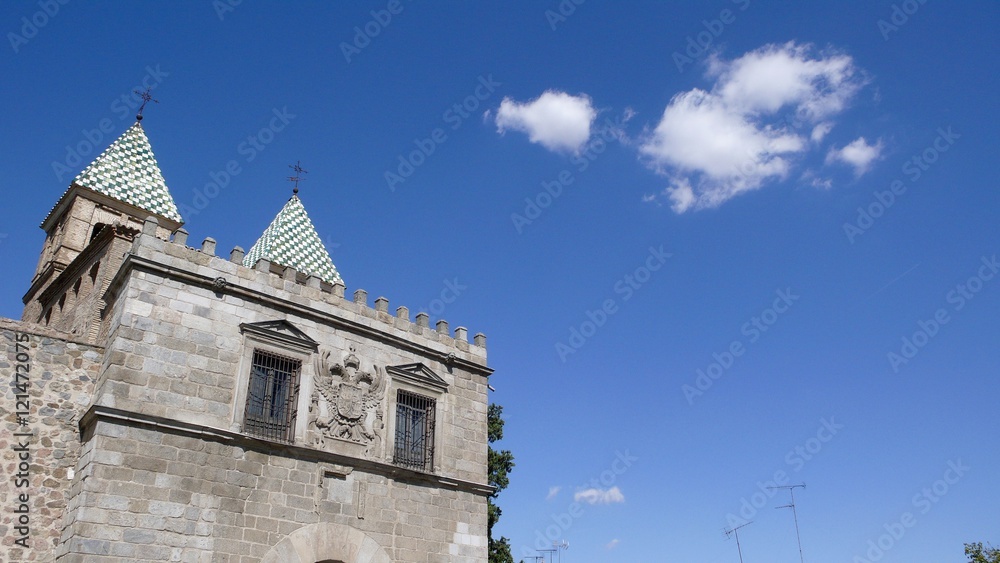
(291, 240)
(128, 172)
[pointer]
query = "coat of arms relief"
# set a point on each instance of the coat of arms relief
(346, 403)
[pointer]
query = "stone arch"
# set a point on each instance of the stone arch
(326, 541)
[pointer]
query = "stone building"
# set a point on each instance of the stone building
(163, 403)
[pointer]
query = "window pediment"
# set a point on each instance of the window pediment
(280, 332)
(418, 374)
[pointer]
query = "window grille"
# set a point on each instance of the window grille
(414, 431)
(272, 396)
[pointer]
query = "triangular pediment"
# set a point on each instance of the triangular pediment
(280, 331)
(418, 373)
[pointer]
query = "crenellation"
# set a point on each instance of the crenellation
(150, 226)
(208, 246)
(180, 237)
(361, 297)
(237, 254)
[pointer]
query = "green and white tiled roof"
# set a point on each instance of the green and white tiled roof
(127, 171)
(291, 240)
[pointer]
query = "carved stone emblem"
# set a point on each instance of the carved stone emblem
(347, 402)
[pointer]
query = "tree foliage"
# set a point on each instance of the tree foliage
(979, 554)
(499, 465)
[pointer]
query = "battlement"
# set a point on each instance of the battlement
(265, 277)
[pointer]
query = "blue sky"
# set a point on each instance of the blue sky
(714, 246)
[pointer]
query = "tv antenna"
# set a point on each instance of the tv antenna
(791, 491)
(560, 545)
(735, 532)
(552, 558)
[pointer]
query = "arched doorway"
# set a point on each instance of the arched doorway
(327, 543)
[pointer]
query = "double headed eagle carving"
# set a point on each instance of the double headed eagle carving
(346, 402)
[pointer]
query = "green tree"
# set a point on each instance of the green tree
(499, 464)
(979, 554)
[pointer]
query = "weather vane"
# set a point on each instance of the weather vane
(299, 171)
(146, 98)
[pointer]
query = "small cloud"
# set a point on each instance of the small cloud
(858, 154)
(681, 195)
(820, 131)
(648, 198)
(553, 491)
(815, 181)
(556, 120)
(599, 496)
(612, 544)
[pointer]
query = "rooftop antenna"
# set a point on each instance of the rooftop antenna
(552, 558)
(560, 545)
(146, 98)
(735, 532)
(299, 171)
(791, 491)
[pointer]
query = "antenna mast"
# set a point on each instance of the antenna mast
(791, 491)
(735, 532)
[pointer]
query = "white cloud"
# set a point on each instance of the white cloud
(820, 131)
(858, 154)
(716, 144)
(553, 491)
(815, 181)
(612, 544)
(681, 195)
(774, 76)
(599, 496)
(556, 120)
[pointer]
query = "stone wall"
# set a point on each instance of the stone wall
(60, 386)
(176, 349)
(156, 494)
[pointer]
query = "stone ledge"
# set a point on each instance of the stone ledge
(165, 425)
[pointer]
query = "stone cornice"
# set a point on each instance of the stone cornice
(100, 413)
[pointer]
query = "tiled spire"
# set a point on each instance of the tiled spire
(128, 172)
(291, 240)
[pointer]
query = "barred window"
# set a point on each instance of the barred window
(414, 431)
(271, 397)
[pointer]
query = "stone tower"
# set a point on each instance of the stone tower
(166, 403)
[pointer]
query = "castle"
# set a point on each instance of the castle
(163, 403)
